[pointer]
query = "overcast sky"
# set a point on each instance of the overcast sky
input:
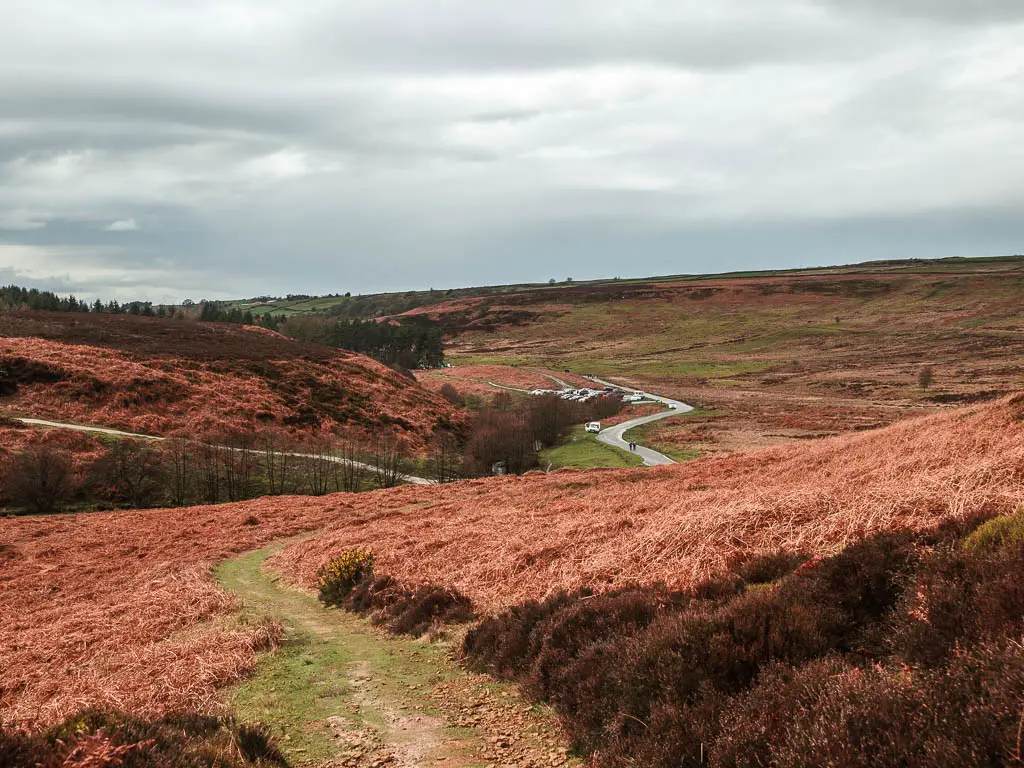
(165, 149)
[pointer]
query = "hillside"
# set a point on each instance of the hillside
(501, 541)
(778, 355)
(505, 540)
(167, 377)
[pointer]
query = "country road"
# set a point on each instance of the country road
(614, 435)
(411, 479)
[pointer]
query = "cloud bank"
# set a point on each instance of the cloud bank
(273, 147)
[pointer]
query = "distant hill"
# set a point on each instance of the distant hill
(183, 377)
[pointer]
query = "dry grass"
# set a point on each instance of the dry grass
(118, 608)
(163, 395)
(506, 540)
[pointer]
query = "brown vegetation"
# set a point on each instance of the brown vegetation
(506, 540)
(180, 377)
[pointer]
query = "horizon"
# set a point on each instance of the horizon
(525, 285)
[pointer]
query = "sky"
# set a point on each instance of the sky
(170, 149)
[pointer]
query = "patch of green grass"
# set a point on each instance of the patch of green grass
(296, 688)
(581, 450)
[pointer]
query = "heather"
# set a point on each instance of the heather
(902, 649)
(97, 739)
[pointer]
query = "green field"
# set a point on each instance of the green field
(581, 450)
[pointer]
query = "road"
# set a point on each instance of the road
(411, 479)
(614, 435)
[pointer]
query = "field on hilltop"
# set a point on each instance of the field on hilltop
(168, 377)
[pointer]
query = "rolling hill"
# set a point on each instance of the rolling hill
(167, 377)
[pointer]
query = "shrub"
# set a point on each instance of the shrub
(999, 532)
(764, 569)
(500, 644)
(965, 714)
(958, 597)
(425, 607)
(565, 633)
(100, 738)
(340, 575)
(406, 611)
(40, 479)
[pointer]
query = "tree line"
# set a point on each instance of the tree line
(408, 345)
(179, 472)
(404, 346)
(16, 297)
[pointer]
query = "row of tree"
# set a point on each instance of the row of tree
(16, 297)
(408, 345)
(179, 472)
(510, 435)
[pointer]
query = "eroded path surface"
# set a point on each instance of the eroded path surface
(341, 693)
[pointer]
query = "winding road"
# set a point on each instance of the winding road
(614, 436)
(411, 479)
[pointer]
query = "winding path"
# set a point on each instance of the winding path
(346, 694)
(614, 436)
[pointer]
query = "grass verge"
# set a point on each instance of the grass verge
(581, 450)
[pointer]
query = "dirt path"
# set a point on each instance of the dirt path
(341, 693)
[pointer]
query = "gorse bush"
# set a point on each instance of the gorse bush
(1002, 531)
(348, 582)
(903, 649)
(342, 574)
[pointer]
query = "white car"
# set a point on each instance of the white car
(594, 427)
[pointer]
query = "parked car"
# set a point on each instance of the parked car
(594, 427)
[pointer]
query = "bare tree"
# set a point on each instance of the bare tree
(207, 465)
(177, 470)
(278, 465)
(40, 479)
(129, 473)
(350, 473)
(925, 376)
(318, 462)
(445, 458)
(388, 457)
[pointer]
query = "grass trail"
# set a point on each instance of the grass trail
(339, 690)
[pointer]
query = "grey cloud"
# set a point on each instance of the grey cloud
(391, 144)
(939, 11)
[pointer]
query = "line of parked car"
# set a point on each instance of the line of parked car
(577, 395)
